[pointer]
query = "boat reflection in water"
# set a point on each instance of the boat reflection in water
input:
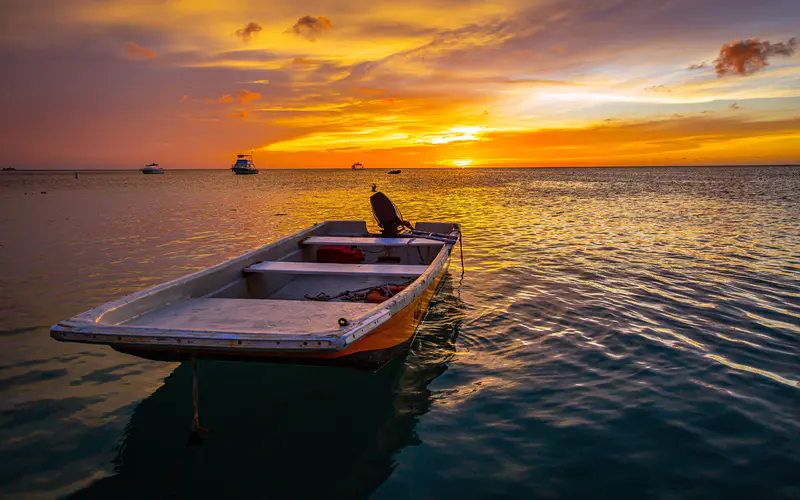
(283, 431)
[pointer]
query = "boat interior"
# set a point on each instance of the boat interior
(276, 289)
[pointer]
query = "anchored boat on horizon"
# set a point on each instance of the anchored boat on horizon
(244, 165)
(152, 168)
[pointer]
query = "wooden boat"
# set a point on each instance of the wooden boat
(393, 172)
(265, 305)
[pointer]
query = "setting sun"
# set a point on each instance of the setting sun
(555, 84)
(462, 163)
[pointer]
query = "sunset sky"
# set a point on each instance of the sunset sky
(417, 83)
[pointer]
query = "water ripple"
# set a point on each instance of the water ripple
(626, 331)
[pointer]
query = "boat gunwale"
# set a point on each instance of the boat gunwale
(84, 327)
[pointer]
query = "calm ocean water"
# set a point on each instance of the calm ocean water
(617, 333)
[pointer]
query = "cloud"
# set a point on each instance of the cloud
(365, 90)
(658, 88)
(310, 27)
(135, 51)
(246, 97)
(302, 61)
(239, 114)
(248, 32)
(208, 100)
(745, 57)
(702, 65)
(221, 99)
(735, 106)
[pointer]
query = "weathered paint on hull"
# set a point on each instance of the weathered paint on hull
(387, 341)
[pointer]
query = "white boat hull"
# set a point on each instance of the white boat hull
(248, 309)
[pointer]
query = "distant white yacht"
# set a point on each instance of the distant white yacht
(153, 168)
(244, 165)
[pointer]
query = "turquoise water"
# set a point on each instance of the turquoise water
(617, 333)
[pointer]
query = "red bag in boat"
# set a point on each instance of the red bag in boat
(339, 254)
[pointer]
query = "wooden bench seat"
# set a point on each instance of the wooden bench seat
(362, 241)
(301, 268)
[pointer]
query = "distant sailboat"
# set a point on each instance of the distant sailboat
(153, 168)
(357, 166)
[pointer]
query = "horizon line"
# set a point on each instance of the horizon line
(485, 167)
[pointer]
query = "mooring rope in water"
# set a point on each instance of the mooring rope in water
(196, 399)
(461, 250)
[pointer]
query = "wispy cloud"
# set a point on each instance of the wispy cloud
(366, 90)
(135, 51)
(246, 97)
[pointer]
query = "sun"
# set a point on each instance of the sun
(462, 163)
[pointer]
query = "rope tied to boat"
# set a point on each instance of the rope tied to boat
(359, 295)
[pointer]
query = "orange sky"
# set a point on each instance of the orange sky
(405, 84)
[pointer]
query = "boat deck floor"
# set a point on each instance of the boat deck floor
(265, 316)
(301, 286)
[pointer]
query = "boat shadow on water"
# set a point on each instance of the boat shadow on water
(283, 430)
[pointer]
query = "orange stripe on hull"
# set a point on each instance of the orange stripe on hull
(370, 351)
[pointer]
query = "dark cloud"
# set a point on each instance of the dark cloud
(745, 57)
(658, 88)
(248, 31)
(311, 27)
(735, 106)
(136, 51)
(702, 65)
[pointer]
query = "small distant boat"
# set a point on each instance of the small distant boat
(357, 166)
(394, 171)
(331, 294)
(244, 165)
(9, 169)
(153, 168)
